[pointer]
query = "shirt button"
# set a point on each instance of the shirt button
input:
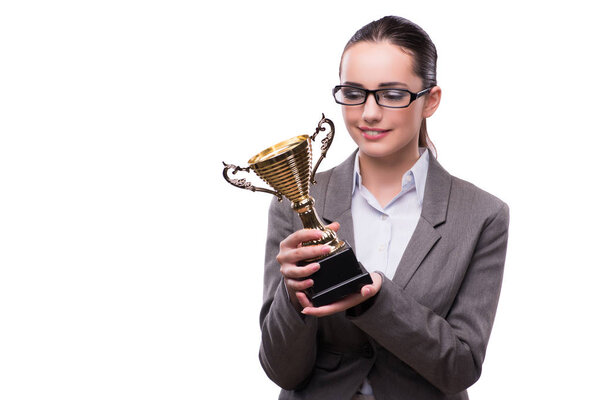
(384, 217)
(382, 247)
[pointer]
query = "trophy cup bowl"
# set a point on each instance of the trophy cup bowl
(286, 167)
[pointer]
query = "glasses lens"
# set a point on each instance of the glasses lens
(349, 95)
(393, 98)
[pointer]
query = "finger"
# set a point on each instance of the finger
(298, 285)
(334, 226)
(368, 290)
(333, 308)
(293, 256)
(295, 272)
(303, 299)
(303, 235)
(377, 280)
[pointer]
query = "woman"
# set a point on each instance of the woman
(434, 244)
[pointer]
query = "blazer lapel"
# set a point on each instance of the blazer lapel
(425, 236)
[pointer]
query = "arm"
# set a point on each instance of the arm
(288, 346)
(447, 352)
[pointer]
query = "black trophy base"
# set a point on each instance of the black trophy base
(340, 275)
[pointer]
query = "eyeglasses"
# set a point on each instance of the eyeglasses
(392, 98)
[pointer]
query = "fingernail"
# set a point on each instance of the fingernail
(326, 249)
(316, 267)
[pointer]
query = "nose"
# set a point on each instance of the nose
(371, 110)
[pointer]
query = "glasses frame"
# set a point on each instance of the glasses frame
(413, 96)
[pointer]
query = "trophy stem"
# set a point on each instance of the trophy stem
(310, 220)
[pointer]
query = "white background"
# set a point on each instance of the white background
(129, 269)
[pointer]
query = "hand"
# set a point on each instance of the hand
(347, 302)
(291, 252)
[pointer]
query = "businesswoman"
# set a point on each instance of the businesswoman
(434, 245)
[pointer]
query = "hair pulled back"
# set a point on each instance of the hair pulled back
(412, 39)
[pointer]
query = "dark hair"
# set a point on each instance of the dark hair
(413, 40)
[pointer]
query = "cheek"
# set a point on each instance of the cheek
(348, 113)
(344, 113)
(409, 118)
(350, 116)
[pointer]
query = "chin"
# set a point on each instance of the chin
(383, 150)
(376, 151)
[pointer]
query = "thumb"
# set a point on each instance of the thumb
(334, 226)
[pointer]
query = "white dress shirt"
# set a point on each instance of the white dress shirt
(381, 234)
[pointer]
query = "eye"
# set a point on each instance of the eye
(394, 95)
(353, 94)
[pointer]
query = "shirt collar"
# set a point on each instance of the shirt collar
(418, 170)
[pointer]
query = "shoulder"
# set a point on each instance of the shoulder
(345, 169)
(469, 216)
(471, 203)
(452, 199)
(336, 179)
(476, 196)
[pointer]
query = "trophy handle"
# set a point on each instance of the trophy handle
(242, 183)
(325, 143)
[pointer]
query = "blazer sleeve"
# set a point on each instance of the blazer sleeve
(448, 352)
(288, 345)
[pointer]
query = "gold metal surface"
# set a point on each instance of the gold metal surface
(277, 149)
(288, 173)
(286, 167)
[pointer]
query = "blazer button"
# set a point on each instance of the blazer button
(368, 351)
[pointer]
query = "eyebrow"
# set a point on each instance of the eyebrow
(381, 85)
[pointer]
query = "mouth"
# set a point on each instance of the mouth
(373, 133)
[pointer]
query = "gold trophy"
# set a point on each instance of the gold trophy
(286, 167)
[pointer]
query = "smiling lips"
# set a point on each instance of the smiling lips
(373, 133)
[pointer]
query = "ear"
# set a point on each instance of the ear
(432, 101)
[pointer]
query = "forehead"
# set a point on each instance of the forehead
(371, 63)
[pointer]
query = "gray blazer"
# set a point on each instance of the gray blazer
(425, 335)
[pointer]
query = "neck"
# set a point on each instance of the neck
(383, 175)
